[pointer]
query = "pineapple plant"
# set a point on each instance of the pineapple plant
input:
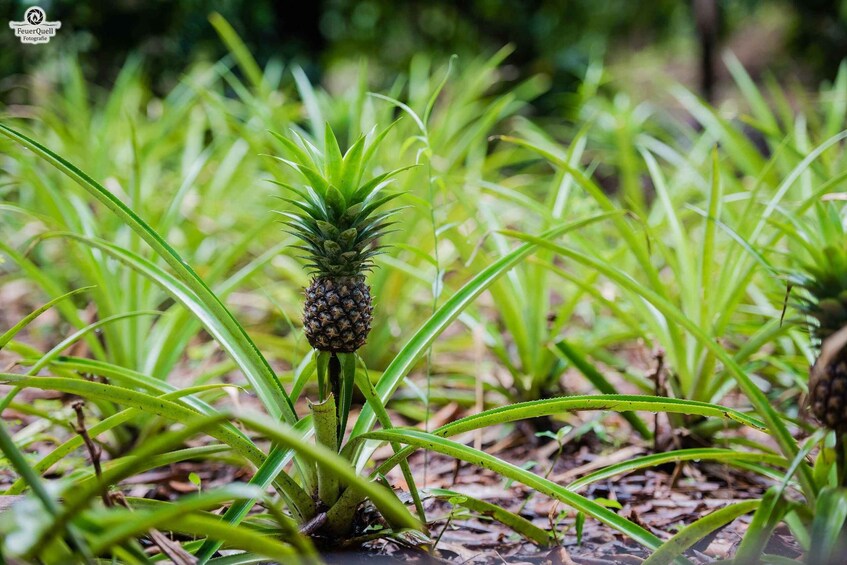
(338, 218)
(824, 280)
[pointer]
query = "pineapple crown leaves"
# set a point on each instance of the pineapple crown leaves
(822, 272)
(335, 212)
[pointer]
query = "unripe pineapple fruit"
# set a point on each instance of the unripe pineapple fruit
(826, 307)
(339, 228)
(337, 316)
(828, 377)
(828, 392)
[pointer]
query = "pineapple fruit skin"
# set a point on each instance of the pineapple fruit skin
(828, 392)
(338, 313)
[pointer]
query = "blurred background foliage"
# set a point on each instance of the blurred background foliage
(558, 38)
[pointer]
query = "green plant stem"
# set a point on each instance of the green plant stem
(339, 518)
(324, 415)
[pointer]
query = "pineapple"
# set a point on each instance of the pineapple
(338, 224)
(825, 284)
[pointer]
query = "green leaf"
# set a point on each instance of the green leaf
(76, 336)
(239, 51)
(770, 513)
(348, 377)
(363, 382)
(242, 538)
(332, 155)
(45, 359)
(223, 332)
(615, 402)
(761, 109)
(693, 533)
(322, 368)
(728, 456)
(347, 237)
(828, 539)
(18, 461)
(195, 480)
(310, 100)
(76, 498)
(94, 431)
(351, 168)
(50, 286)
(336, 201)
(300, 156)
(277, 459)
(600, 383)
(13, 331)
(518, 523)
(736, 143)
(579, 524)
(131, 398)
(331, 249)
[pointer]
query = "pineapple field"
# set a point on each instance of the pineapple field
(447, 314)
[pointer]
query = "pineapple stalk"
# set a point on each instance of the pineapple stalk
(326, 431)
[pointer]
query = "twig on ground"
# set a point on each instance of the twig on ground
(660, 390)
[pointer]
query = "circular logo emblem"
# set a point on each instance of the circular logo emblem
(34, 15)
